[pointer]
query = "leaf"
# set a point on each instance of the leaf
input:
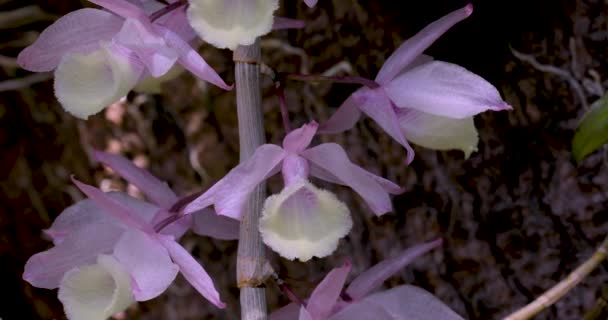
(592, 132)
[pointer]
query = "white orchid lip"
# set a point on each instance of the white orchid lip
(96, 291)
(303, 221)
(230, 23)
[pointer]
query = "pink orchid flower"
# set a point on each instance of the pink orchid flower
(301, 221)
(99, 56)
(329, 301)
(107, 253)
(431, 103)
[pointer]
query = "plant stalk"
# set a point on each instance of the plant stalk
(251, 261)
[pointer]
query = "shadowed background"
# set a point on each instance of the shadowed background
(515, 217)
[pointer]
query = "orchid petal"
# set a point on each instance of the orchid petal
(230, 193)
(123, 8)
(87, 83)
(86, 212)
(155, 189)
(178, 23)
(373, 277)
(325, 295)
(386, 184)
(96, 292)
(345, 117)
(78, 31)
(176, 228)
(376, 104)
(414, 46)
(400, 303)
(287, 312)
(45, 269)
(311, 3)
(331, 158)
(444, 89)
(281, 23)
(116, 209)
(305, 315)
(192, 271)
(208, 223)
(437, 132)
(190, 59)
(303, 221)
(228, 24)
(299, 139)
(148, 263)
(149, 47)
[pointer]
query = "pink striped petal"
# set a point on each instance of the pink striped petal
(400, 303)
(444, 89)
(123, 8)
(305, 315)
(299, 139)
(325, 295)
(81, 247)
(155, 189)
(345, 117)
(230, 193)
(78, 31)
(373, 277)
(190, 59)
(113, 208)
(208, 223)
(148, 263)
(377, 105)
(413, 47)
(331, 158)
(177, 22)
(281, 23)
(192, 271)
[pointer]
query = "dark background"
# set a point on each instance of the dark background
(516, 217)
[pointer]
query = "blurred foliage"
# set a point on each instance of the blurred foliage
(592, 132)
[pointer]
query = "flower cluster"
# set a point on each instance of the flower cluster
(112, 249)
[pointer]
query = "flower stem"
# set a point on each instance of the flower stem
(559, 290)
(251, 261)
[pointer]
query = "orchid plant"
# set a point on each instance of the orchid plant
(111, 249)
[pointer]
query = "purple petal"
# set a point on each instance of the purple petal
(177, 21)
(149, 47)
(325, 295)
(311, 3)
(444, 89)
(155, 189)
(305, 315)
(123, 9)
(414, 46)
(288, 312)
(78, 31)
(373, 278)
(345, 117)
(46, 269)
(400, 303)
(148, 263)
(331, 158)
(116, 209)
(377, 105)
(299, 139)
(176, 228)
(208, 223)
(190, 59)
(192, 271)
(230, 193)
(281, 23)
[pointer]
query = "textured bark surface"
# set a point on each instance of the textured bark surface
(515, 217)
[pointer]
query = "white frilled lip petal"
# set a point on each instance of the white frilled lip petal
(303, 221)
(78, 31)
(228, 24)
(413, 47)
(96, 292)
(437, 132)
(148, 263)
(444, 89)
(86, 83)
